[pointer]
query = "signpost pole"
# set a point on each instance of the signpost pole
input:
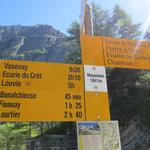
(95, 87)
(89, 20)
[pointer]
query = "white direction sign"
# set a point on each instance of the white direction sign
(95, 78)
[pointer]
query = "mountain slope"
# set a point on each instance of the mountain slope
(36, 43)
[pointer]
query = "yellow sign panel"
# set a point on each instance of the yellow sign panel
(124, 53)
(113, 52)
(40, 76)
(16, 105)
(98, 103)
(91, 54)
(34, 91)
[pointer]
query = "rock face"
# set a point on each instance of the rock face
(134, 136)
(36, 43)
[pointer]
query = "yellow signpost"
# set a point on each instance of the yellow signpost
(97, 103)
(100, 52)
(96, 97)
(111, 52)
(35, 91)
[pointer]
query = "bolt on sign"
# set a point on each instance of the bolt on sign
(35, 91)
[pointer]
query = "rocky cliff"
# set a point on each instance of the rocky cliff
(36, 43)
